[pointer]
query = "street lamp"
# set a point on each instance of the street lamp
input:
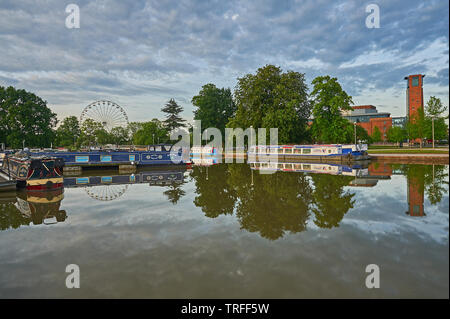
(432, 129)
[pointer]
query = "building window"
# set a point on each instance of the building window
(415, 81)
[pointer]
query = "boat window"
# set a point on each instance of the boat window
(306, 151)
(158, 148)
(167, 147)
(306, 167)
(298, 166)
(329, 151)
(280, 165)
(280, 151)
(289, 166)
(288, 150)
(151, 149)
(297, 151)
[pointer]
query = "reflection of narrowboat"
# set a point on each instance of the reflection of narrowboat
(204, 160)
(160, 178)
(41, 207)
(313, 152)
(318, 168)
(204, 150)
(34, 172)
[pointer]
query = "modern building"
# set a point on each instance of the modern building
(368, 118)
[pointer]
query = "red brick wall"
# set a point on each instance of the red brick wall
(383, 124)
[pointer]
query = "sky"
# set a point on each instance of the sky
(139, 53)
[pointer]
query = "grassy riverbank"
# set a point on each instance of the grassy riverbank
(408, 151)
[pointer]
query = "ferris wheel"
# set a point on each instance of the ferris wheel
(106, 192)
(108, 113)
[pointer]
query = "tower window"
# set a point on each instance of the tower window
(415, 81)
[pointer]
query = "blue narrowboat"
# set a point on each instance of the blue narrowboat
(154, 155)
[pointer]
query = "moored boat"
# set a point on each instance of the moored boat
(326, 152)
(34, 172)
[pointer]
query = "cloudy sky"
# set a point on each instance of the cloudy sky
(141, 53)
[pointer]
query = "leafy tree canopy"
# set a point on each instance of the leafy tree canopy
(25, 117)
(273, 99)
(214, 107)
(329, 100)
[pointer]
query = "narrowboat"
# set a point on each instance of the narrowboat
(34, 172)
(160, 154)
(326, 152)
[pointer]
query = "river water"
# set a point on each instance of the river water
(232, 231)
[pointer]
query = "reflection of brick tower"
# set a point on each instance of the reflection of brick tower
(415, 197)
(414, 94)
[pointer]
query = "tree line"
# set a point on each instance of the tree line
(269, 98)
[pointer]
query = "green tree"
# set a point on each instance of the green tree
(173, 119)
(376, 135)
(417, 125)
(25, 117)
(119, 135)
(214, 107)
(434, 107)
(396, 134)
(440, 128)
(133, 127)
(151, 133)
(273, 99)
(92, 133)
(68, 132)
(329, 100)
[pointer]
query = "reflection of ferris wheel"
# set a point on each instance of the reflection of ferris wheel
(105, 112)
(106, 192)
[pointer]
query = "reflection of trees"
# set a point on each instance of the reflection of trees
(434, 183)
(175, 192)
(10, 217)
(331, 202)
(24, 208)
(214, 195)
(270, 204)
(274, 204)
(429, 179)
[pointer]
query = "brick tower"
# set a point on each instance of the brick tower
(414, 94)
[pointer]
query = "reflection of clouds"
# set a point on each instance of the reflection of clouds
(140, 245)
(381, 211)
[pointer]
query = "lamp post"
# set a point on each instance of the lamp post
(354, 126)
(153, 138)
(432, 129)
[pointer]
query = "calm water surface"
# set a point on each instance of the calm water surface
(227, 231)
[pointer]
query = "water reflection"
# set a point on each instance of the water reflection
(25, 207)
(268, 204)
(273, 204)
(104, 186)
